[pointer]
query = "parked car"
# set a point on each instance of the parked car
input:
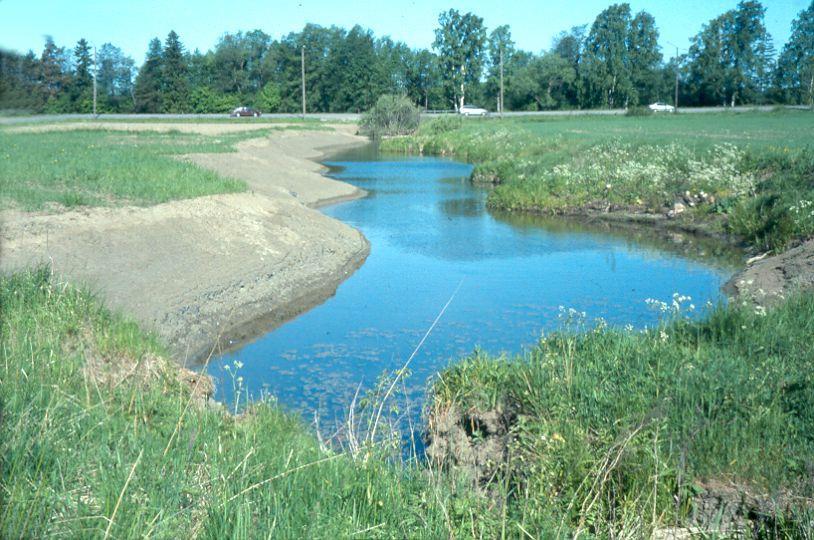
(661, 107)
(471, 110)
(244, 111)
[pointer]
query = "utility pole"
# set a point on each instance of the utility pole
(95, 70)
(302, 69)
(678, 67)
(675, 103)
(501, 82)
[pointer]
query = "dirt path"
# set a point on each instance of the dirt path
(224, 266)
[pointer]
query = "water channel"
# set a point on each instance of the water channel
(431, 238)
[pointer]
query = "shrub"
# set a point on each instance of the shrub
(442, 124)
(392, 115)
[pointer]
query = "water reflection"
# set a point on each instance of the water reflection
(430, 233)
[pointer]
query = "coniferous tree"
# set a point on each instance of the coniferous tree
(53, 72)
(174, 73)
(730, 60)
(500, 44)
(149, 86)
(82, 83)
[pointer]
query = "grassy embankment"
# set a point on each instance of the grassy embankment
(612, 430)
(101, 168)
(92, 167)
(748, 174)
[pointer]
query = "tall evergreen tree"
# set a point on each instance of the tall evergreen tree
(500, 46)
(174, 72)
(731, 58)
(82, 82)
(53, 72)
(149, 86)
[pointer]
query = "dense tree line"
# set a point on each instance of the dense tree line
(614, 62)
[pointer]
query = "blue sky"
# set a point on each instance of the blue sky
(130, 24)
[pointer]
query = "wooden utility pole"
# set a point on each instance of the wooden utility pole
(678, 69)
(95, 70)
(501, 82)
(675, 103)
(302, 69)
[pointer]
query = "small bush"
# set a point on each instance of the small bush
(391, 116)
(442, 124)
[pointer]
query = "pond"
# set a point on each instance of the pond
(507, 279)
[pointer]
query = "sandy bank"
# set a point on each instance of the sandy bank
(223, 266)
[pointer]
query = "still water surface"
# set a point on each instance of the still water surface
(431, 235)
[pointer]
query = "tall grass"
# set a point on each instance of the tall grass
(98, 438)
(613, 426)
(101, 436)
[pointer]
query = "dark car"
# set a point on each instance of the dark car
(245, 111)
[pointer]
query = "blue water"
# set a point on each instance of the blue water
(430, 236)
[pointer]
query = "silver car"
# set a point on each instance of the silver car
(661, 107)
(471, 110)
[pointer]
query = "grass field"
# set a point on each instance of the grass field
(106, 168)
(749, 174)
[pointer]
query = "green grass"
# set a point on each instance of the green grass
(100, 436)
(121, 448)
(102, 168)
(730, 398)
(745, 173)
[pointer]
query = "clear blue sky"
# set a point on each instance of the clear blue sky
(130, 24)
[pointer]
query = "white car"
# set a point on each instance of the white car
(661, 107)
(471, 110)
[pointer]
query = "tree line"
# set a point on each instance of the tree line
(614, 62)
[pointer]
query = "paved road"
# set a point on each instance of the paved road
(354, 117)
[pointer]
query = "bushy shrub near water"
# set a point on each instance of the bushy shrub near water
(391, 116)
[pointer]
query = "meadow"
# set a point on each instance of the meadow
(748, 175)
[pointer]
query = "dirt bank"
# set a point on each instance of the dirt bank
(768, 280)
(200, 270)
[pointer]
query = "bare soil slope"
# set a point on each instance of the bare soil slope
(213, 268)
(769, 280)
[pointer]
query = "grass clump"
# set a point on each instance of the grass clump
(750, 175)
(105, 168)
(617, 430)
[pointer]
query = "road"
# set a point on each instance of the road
(354, 117)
